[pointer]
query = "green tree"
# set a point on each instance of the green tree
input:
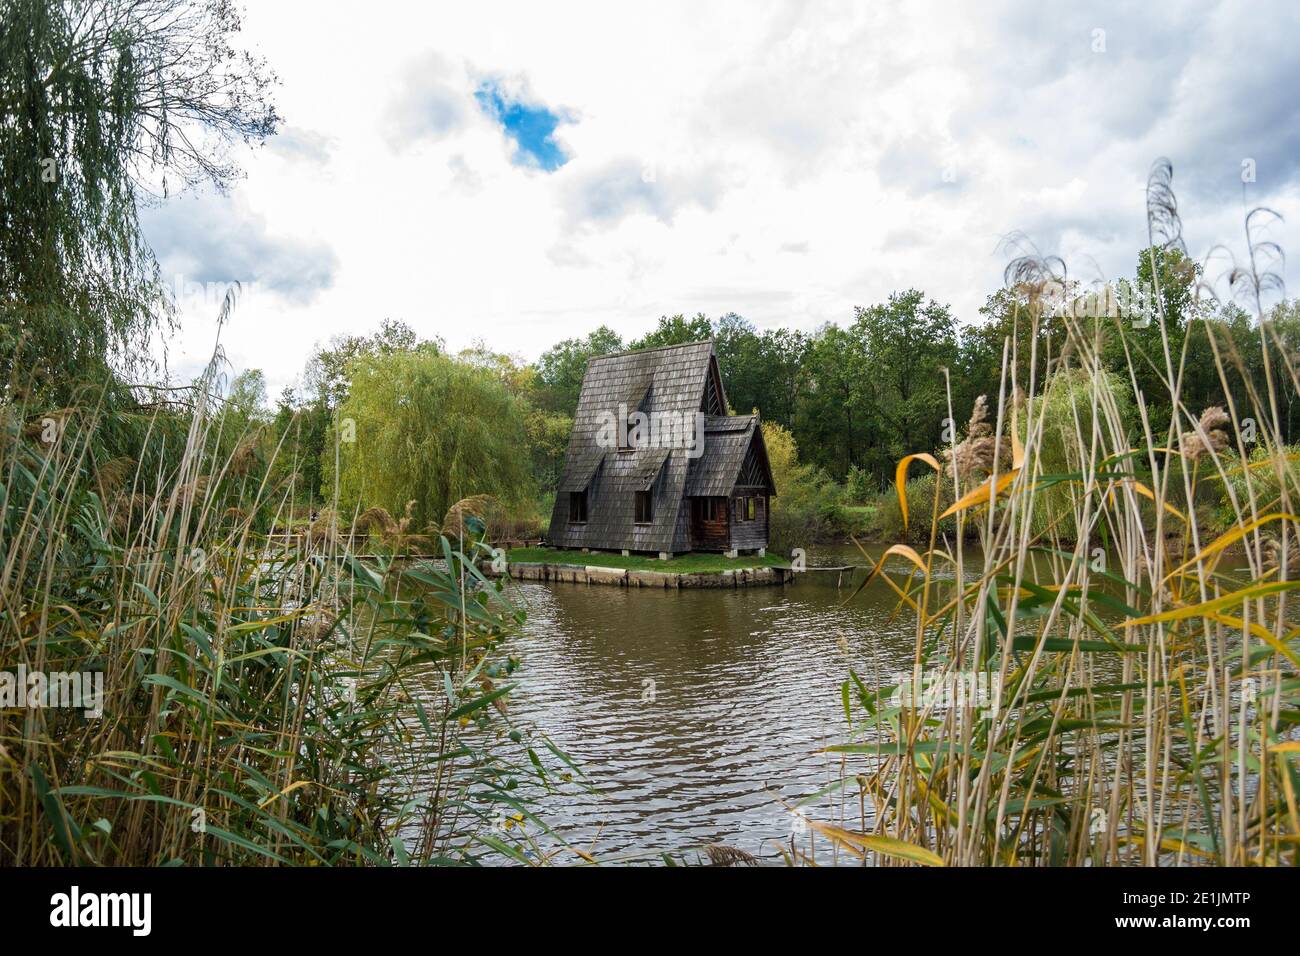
(676, 330)
(301, 431)
(909, 342)
(807, 506)
(832, 420)
(759, 370)
(1135, 341)
(329, 370)
(547, 431)
(427, 429)
(305, 419)
(561, 367)
(246, 395)
(101, 103)
(1007, 316)
(1281, 333)
(1065, 409)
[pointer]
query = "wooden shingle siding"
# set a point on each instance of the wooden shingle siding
(745, 533)
(682, 380)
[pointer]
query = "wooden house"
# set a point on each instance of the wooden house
(656, 465)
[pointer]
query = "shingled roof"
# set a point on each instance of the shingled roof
(727, 440)
(683, 379)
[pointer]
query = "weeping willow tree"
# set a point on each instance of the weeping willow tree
(105, 104)
(419, 426)
(1072, 400)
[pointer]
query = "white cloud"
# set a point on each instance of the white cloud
(429, 101)
(784, 161)
(296, 144)
(219, 239)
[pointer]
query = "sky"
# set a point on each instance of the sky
(521, 173)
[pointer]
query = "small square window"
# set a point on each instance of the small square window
(578, 507)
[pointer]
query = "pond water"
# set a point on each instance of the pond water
(699, 716)
(692, 711)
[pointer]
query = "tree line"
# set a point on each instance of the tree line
(88, 135)
(898, 377)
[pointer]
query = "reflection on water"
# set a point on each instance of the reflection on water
(695, 713)
(690, 711)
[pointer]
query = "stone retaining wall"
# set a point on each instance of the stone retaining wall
(590, 574)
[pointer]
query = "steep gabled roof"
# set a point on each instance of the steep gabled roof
(677, 372)
(670, 378)
(727, 441)
(673, 375)
(664, 379)
(681, 379)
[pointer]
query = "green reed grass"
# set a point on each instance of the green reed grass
(1150, 690)
(267, 701)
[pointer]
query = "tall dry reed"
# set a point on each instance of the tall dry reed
(267, 699)
(1117, 684)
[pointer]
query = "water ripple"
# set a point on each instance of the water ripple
(690, 711)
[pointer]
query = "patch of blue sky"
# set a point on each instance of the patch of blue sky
(531, 127)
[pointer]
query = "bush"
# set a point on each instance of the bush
(808, 506)
(857, 486)
(1264, 483)
(256, 685)
(887, 520)
(1066, 407)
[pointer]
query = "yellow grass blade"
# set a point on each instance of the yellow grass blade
(289, 789)
(1229, 538)
(1171, 845)
(1148, 493)
(1268, 462)
(903, 551)
(1259, 631)
(1206, 608)
(936, 804)
(858, 843)
(983, 493)
(879, 569)
(900, 477)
